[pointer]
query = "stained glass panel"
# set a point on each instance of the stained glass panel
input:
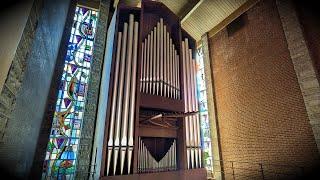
(204, 118)
(62, 148)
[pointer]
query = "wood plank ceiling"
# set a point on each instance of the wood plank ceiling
(201, 16)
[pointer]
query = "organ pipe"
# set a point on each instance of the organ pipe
(192, 123)
(143, 69)
(158, 60)
(123, 99)
(125, 112)
(168, 64)
(114, 102)
(154, 61)
(119, 101)
(148, 64)
(161, 57)
(164, 61)
(132, 96)
(147, 163)
(160, 76)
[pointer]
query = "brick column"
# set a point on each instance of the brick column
(303, 65)
(214, 129)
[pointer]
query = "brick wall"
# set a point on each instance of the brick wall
(260, 109)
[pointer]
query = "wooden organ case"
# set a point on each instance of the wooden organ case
(152, 123)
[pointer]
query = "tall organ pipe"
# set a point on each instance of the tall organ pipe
(151, 63)
(168, 64)
(165, 61)
(125, 112)
(119, 101)
(114, 102)
(161, 57)
(143, 67)
(192, 82)
(139, 156)
(154, 61)
(193, 100)
(176, 67)
(173, 72)
(148, 64)
(133, 94)
(185, 85)
(178, 76)
(170, 67)
(189, 103)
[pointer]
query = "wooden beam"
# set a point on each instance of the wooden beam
(243, 8)
(89, 4)
(188, 9)
(132, 3)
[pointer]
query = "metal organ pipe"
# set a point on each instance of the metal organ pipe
(189, 102)
(186, 101)
(158, 60)
(173, 72)
(140, 156)
(119, 101)
(147, 162)
(164, 35)
(151, 63)
(121, 126)
(170, 68)
(193, 100)
(114, 102)
(148, 64)
(177, 79)
(161, 57)
(124, 127)
(142, 68)
(154, 61)
(133, 94)
(160, 75)
(191, 105)
(168, 64)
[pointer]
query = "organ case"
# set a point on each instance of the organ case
(152, 123)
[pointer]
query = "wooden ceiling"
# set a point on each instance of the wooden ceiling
(201, 16)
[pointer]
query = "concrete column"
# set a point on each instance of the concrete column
(303, 65)
(214, 129)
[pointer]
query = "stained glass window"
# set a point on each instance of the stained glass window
(204, 118)
(63, 145)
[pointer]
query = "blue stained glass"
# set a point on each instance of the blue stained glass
(62, 148)
(204, 119)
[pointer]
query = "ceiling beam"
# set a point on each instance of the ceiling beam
(133, 3)
(91, 4)
(188, 9)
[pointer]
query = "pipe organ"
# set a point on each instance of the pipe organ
(152, 122)
(159, 65)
